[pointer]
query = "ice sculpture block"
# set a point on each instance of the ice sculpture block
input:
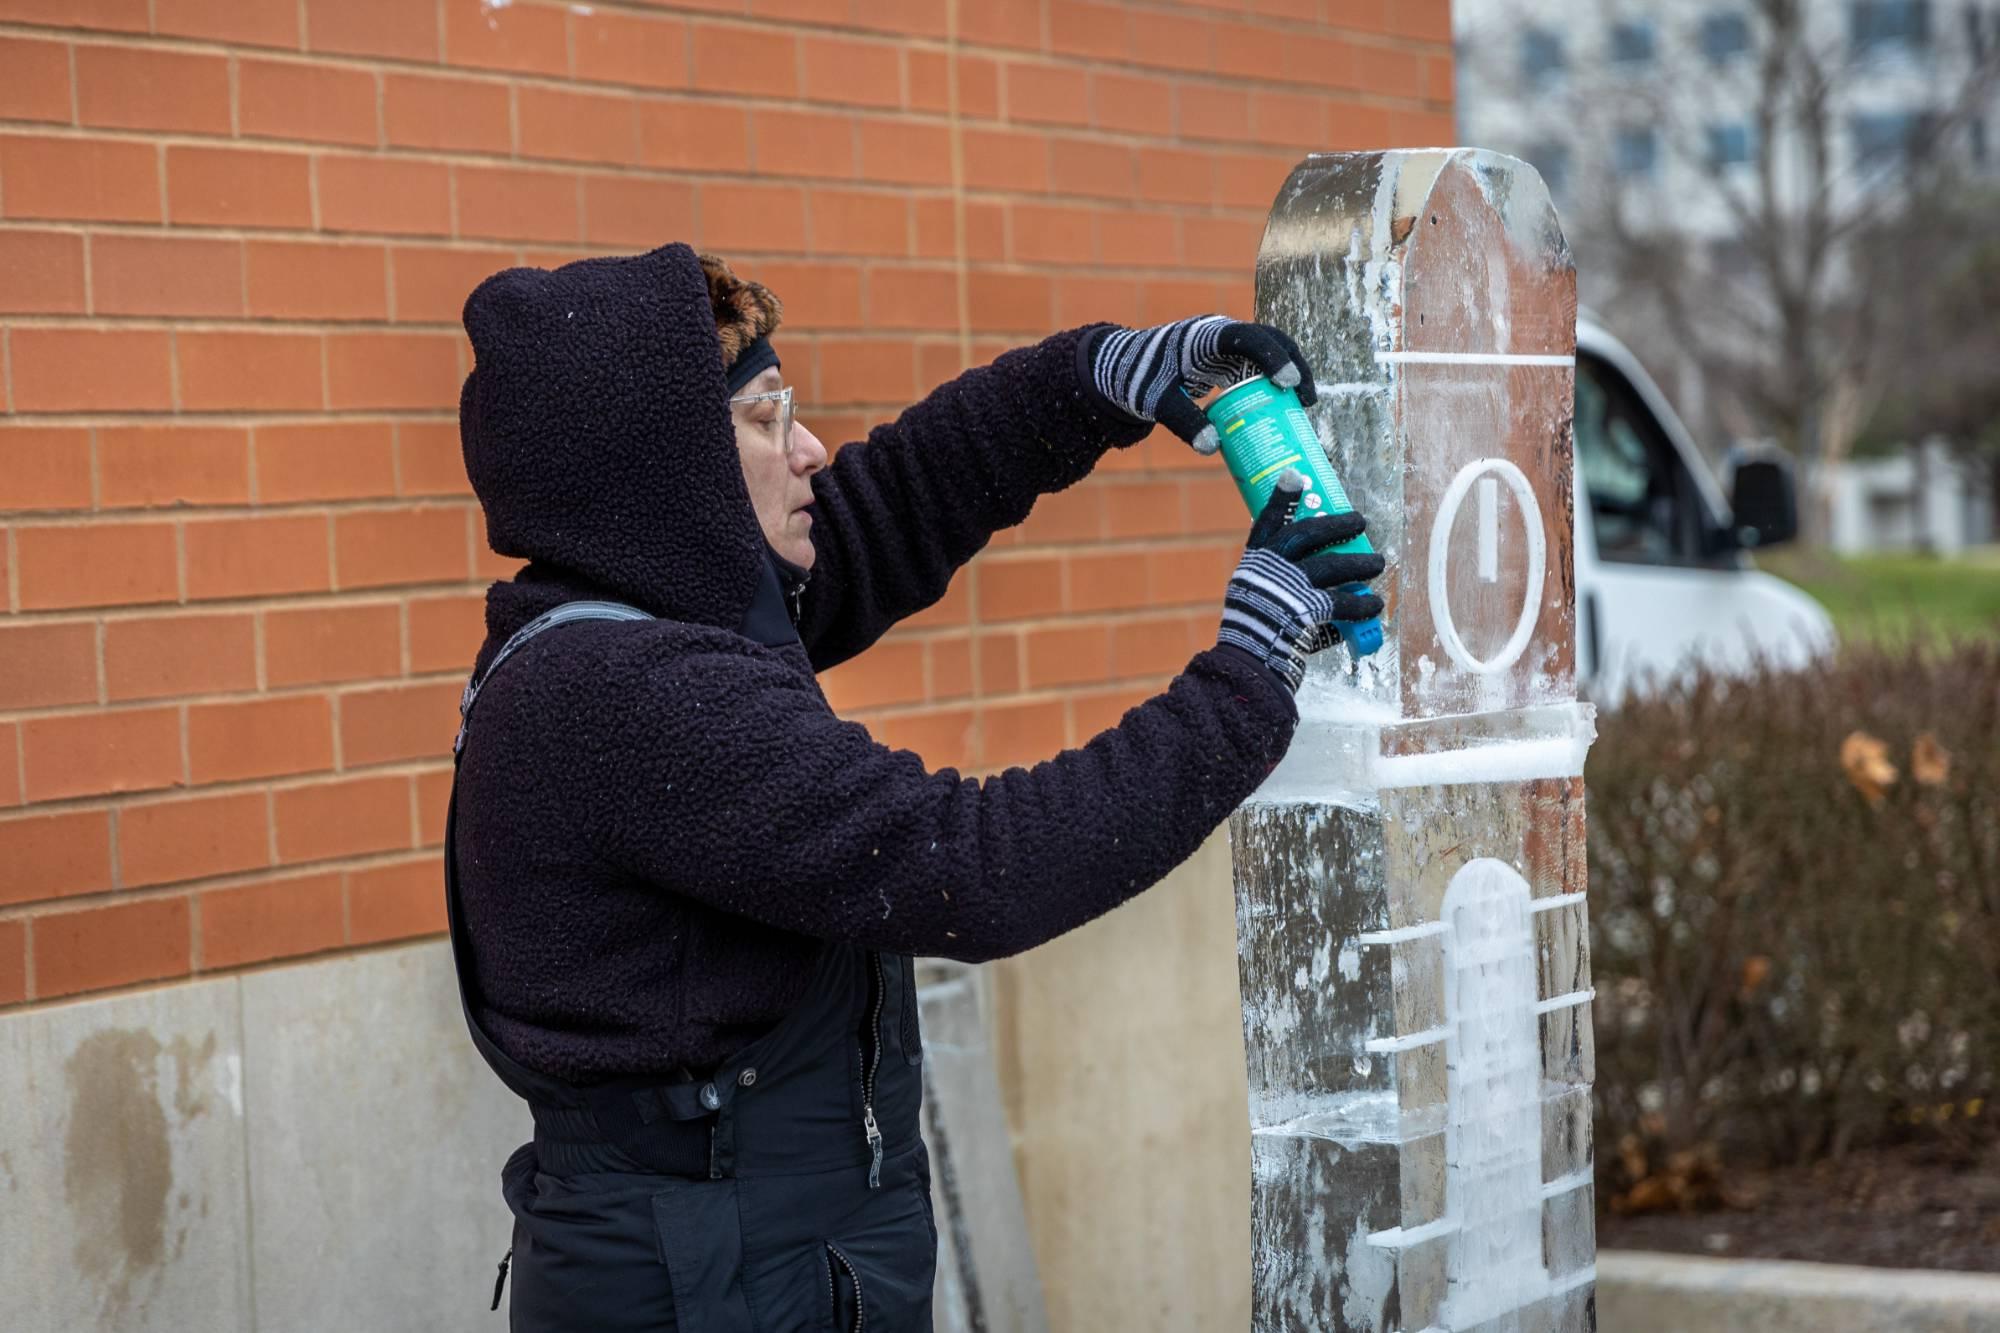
(1410, 880)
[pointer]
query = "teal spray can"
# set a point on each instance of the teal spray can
(1265, 430)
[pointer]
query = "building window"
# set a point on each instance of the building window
(1724, 33)
(1876, 24)
(1632, 42)
(1635, 151)
(1729, 145)
(1541, 55)
(1888, 138)
(1551, 158)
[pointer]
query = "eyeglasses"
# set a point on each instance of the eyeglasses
(778, 430)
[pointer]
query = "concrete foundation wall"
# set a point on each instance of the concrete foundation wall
(1120, 1049)
(317, 1146)
(310, 1147)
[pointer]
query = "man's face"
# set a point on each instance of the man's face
(777, 474)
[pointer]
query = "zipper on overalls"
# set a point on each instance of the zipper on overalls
(871, 1061)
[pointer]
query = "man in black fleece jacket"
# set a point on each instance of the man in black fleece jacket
(660, 823)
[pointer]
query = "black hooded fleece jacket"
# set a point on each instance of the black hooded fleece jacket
(659, 820)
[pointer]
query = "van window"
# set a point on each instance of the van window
(1644, 508)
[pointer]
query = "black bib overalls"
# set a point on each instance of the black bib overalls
(787, 1191)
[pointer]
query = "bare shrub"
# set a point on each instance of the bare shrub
(1795, 915)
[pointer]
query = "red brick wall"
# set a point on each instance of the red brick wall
(241, 569)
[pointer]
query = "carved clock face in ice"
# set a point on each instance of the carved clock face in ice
(1484, 477)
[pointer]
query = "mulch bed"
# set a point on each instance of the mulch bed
(1911, 1205)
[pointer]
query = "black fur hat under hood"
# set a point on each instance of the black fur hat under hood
(597, 433)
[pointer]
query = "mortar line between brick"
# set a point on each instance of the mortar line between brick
(275, 873)
(160, 176)
(495, 247)
(21, 764)
(333, 706)
(270, 828)
(347, 905)
(416, 818)
(261, 674)
(818, 26)
(166, 138)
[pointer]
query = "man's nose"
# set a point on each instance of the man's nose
(808, 454)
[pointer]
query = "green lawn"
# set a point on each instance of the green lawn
(1888, 599)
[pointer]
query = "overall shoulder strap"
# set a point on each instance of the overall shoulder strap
(564, 614)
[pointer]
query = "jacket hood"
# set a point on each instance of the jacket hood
(597, 435)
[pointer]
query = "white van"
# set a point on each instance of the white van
(1663, 569)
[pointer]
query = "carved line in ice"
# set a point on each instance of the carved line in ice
(1477, 358)
(1493, 1181)
(1403, 1238)
(1515, 761)
(1569, 1001)
(1427, 928)
(1440, 556)
(1428, 1037)
(1489, 530)
(1401, 933)
(1575, 1180)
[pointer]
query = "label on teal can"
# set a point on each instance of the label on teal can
(1265, 430)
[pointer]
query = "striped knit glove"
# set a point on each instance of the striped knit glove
(1155, 374)
(1283, 596)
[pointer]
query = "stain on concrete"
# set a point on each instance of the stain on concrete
(117, 1161)
(190, 1068)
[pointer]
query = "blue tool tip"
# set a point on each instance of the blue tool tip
(1364, 638)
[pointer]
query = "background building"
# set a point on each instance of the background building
(1655, 100)
(241, 572)
(1771, 201)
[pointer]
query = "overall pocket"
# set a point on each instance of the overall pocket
(879, 1270)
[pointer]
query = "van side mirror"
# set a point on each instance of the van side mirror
(1764, 503)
